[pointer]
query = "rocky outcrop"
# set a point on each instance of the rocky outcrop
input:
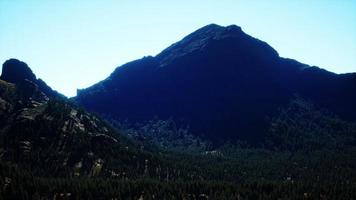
(32, 122)
(15, 71)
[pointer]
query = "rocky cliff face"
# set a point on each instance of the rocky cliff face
(50, 132)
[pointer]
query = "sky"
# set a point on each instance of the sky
(73, 44)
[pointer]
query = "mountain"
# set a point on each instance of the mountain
(219, 81)
(50, 148)
(41, 129)
(15, 71)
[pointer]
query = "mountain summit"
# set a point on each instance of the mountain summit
(14, 71)
(17, 72)
(207, 35)
(221, 82)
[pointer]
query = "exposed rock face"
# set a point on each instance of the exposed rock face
(5, 107)
(30, 90)
(15, 71)
(32, 122)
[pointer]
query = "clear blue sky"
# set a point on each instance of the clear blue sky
(75, 43)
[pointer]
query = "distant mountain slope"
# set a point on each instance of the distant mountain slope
(219, 80)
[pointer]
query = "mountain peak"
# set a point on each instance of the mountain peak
(15, 71)
(215, 31)
(201, 38)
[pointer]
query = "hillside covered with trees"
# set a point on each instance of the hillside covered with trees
(52, 149)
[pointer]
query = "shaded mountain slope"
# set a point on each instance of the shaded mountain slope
(52, 149)
(50, 137)
(220, 81)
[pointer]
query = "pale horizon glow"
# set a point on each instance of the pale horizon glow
(75, 44)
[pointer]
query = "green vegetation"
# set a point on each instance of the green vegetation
(51, 149)
(304, 127)
(164, 134)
